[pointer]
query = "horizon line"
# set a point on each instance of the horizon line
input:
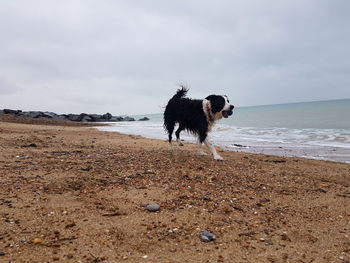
(262, 105)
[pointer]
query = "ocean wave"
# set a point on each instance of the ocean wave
(321, 137)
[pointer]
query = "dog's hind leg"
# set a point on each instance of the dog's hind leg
(177, 133)
(170, 129)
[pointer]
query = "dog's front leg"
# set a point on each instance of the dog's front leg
(170, 148)
(201, 149)
(213, 150)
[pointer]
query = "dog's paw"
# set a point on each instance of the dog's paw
(180, 144)
(170, 148)
(201, 152)
(218, 158)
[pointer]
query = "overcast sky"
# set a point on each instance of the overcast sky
(126, 57)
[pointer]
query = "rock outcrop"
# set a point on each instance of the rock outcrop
(82, 117)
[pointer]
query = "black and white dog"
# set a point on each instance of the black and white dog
(195, 116)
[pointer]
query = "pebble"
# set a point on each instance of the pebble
(2, 253)
(269, 243)
(285, 237)
(153, 207)
(37, 241)
(206, 236)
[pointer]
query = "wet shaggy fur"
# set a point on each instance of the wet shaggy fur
(188, 114)
(195, 116)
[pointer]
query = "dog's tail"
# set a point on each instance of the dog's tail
(181, 93)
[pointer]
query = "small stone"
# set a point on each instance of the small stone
(285, 237)
(268, 243)
(153, 207)
(206, 236)
(2, 253)
(37, 241)
(70, 225)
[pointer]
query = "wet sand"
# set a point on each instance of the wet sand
(334, 154)
(75, 194)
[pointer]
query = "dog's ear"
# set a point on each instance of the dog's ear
(217, 103)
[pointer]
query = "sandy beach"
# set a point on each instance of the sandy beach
(71, 193)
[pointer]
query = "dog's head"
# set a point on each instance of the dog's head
(220, 106)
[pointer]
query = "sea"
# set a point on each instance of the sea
(315, 130)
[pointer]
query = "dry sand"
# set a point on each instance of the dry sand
(75, 194)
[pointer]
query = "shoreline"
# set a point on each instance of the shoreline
(74, 194)
(312, 153)
(153, 130)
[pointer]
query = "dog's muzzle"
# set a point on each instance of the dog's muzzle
(228, 113)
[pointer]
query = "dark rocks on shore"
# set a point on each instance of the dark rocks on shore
(83, 117)
(116, 118)
(8, 111)
(128, 119)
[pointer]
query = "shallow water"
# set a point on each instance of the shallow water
(317, 130)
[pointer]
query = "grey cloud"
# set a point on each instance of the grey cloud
(97, 52)
(7, 88)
